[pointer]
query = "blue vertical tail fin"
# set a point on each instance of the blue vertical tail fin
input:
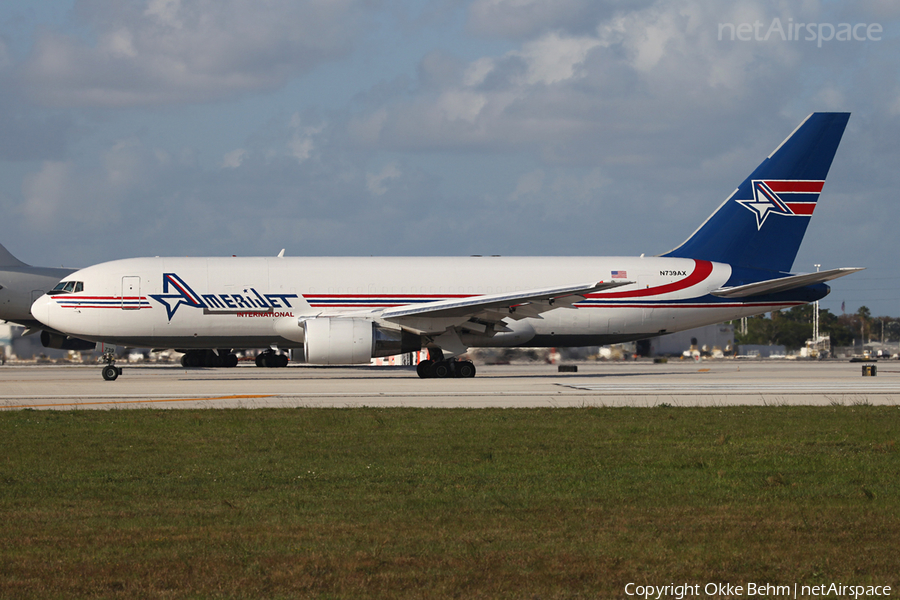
(762, 223)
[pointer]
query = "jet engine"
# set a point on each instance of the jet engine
(352, 340)
(64, 342)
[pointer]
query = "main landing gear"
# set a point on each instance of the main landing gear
(445, 368)
(436, 367)
(208, 358)
(271, 359)
(110, 371)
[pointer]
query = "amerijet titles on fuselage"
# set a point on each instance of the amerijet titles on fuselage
(177, 293)
(249, 301)
(349, 310)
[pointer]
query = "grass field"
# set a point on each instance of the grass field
(418, 503)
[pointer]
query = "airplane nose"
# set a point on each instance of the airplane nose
(40, 310)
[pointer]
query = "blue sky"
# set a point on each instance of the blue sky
(444, 127)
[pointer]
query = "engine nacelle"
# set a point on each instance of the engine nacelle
(64, 342)
(352, 340)
(336, 341)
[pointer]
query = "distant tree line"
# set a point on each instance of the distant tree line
(791, 328)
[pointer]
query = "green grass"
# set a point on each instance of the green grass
(418, 503)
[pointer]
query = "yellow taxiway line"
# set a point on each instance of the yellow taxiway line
(147, 401)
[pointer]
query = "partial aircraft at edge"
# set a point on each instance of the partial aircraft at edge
(349, 310)
(20, 286)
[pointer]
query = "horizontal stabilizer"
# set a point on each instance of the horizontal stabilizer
(783, 284)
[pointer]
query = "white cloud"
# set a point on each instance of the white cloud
(63, 195)
(461, 105)
(523, 18)
(301, 148)
(302, 143)
(45, 194)
(233, 159)
(555, 58)
(375, 182)
(176, 51)
(477, 71)
(582, 97)
(165, 11)
(127, 164)
(120, 44)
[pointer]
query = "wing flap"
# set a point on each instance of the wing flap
(783, 284)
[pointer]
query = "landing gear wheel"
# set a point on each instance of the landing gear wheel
(441, 369)
(230, 361)
(272, 360)
(423, 369)
(111, 372)
(465, 369)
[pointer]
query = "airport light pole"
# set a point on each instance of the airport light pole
(816, 318)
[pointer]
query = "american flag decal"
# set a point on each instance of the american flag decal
(619, 275)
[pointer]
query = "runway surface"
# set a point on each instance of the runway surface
(640, 384)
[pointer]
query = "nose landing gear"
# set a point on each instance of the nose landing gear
(110, 371)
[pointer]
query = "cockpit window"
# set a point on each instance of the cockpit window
(67, 287)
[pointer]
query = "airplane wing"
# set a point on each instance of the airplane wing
(773, 286)
(480, 312)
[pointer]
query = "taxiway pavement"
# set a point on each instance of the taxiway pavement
(641, 384)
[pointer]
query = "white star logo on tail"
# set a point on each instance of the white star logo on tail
(792, 198)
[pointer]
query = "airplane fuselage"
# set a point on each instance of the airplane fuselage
(257, 302)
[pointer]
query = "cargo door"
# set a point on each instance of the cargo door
(131, 292)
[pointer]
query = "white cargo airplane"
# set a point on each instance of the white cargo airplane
(349, 310)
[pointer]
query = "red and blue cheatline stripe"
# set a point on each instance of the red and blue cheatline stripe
(103, 302)
(375, 300)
